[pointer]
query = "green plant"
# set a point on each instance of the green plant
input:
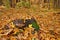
(20, 4)
(35, 25)
(27, 4)
(7, 4)
(23, 4)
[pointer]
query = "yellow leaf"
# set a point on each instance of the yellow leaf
(30, 25)
(15, 31)
(12, 25)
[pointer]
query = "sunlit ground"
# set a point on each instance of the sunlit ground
(47, 19)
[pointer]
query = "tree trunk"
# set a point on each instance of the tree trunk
(13, 3)
(55, 4)
(42, 2)
(48, 4)
(58, 3)
(1, 2)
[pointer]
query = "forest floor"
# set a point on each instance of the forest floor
(49, 21)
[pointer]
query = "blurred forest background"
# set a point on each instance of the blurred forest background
(52, 5)
(48, 4)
